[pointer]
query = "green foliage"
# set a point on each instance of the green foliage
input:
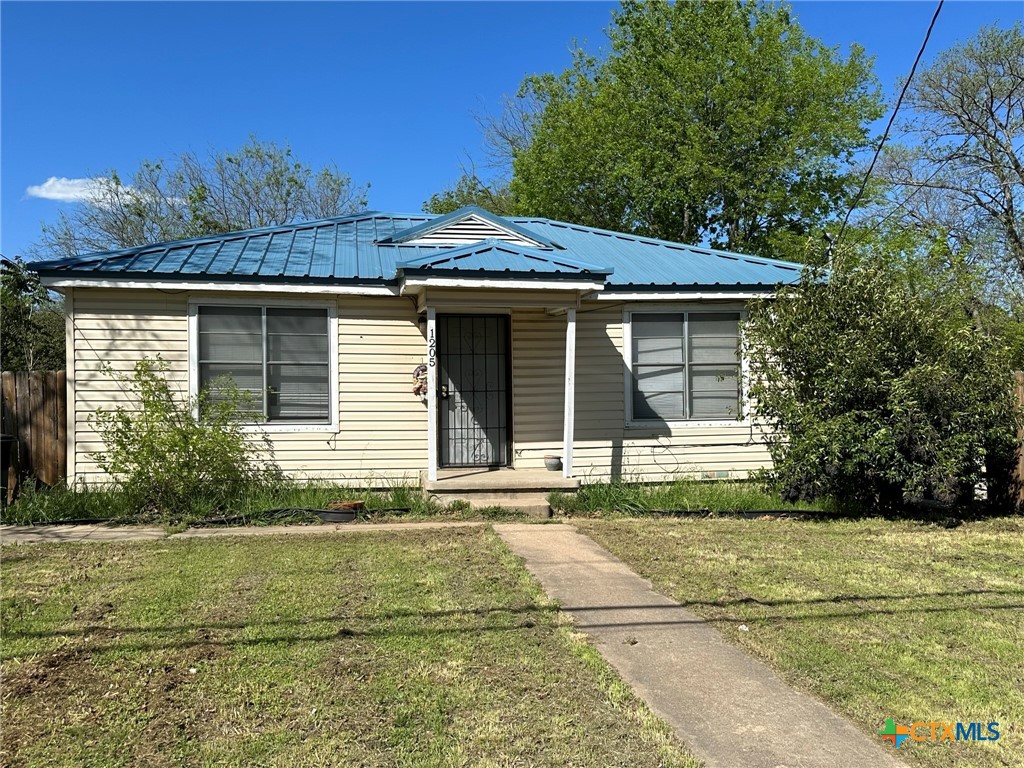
(716, 121)
(470, 190)
(33, 322)
(59, 504)
(167, 463)
(682, 495)
(260, 184)
(880, 390)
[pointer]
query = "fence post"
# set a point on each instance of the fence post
(1017, 475)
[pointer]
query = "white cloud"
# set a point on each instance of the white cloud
(66, 190)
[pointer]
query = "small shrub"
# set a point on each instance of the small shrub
(169, 464)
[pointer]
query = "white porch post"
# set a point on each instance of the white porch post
(431, 394)
(570, 392)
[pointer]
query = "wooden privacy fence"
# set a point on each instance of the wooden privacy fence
(33, 409)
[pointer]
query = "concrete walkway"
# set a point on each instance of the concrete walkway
(730, 710)
(37, 534)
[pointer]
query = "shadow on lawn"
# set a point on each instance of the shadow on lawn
(588, 617)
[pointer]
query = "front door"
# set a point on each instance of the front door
(474, 382)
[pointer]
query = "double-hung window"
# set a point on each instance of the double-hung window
(684, 366)
(280, 356)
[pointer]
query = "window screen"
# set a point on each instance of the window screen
(685, 366)
(279, 355)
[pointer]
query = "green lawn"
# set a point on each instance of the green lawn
(426, 648)
(879, 618)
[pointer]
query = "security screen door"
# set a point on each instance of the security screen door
(474, 382)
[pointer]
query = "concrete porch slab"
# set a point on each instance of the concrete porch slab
(505, 479)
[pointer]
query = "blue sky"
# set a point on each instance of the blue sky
(385, 90)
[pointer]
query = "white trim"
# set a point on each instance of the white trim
(607, 295)
(743, 401)
(213, 285)
(332, 355)
(689, 306)
(413, 283)
(569, 413)
(431, 394)
(445, 309)
(70, 437)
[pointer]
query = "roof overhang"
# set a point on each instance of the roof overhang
(681, 294)
(64, 281)
(412, 284)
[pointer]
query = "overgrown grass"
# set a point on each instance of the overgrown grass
(628, 499)
(414, 649)
(58, 504)
(278, 503)
(880, 618)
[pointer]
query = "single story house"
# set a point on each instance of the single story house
(389, 347)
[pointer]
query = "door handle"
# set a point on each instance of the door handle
(443, 393)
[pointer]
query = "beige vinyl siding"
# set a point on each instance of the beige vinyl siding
(381, 435)
(605, 448)
(538, 386)
(382, 426)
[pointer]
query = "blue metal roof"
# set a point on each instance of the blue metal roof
(367, 248)
(493, 256)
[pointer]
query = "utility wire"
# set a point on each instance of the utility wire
(906, 201)
(892, 119)
(918, 186)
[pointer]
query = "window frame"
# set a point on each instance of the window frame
(743, 419)
(195, 303)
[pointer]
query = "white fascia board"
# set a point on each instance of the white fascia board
(411, 285)
(213, 286)
(678, 296)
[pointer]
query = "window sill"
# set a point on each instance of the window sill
(271, 427)
(682, 425)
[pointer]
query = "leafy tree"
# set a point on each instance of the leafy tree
(261, 184)
(962, 178)
(470, 190)
(33, 322)
(716, 121)
(880, 385)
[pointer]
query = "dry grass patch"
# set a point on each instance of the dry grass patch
(426, 648)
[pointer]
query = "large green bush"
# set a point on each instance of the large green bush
(880, 393)
(168, 462)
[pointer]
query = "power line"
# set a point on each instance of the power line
(892, 119)
(918, 186)
(906, 201)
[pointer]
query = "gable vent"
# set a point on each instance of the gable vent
(471, 230)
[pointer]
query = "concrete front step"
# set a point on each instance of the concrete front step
(532, 503)
(526, 490)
